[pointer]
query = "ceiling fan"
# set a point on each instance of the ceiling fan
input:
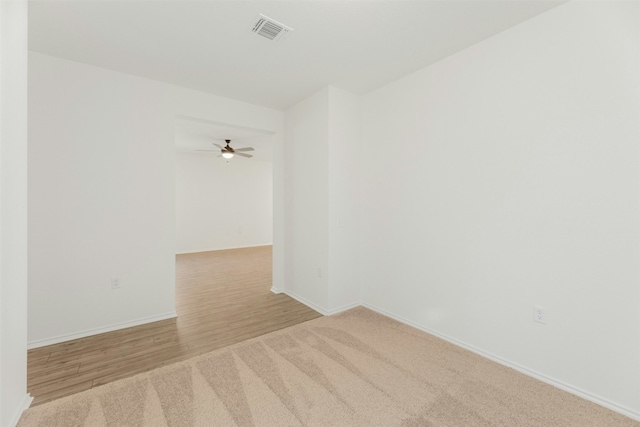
(228, 152)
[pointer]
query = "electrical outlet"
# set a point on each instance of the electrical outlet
(115, 283)
(539, 314)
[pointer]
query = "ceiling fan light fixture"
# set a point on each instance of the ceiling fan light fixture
(227, 155)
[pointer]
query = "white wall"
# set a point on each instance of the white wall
(506, 176)
(307, 198)
(344, 199)
(100, 199)
(220, 204)
(322, 141)
(13, 211)
(102, 193)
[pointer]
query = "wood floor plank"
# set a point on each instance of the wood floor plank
(151, 352)
(114, 338)
(105, 350)
(222, 298)
(33, 370)
(52, 373)
(41, 398)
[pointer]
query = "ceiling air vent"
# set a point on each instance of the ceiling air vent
(267, 27)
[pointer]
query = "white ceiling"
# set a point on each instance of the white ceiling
(192, 134)
(206, 45)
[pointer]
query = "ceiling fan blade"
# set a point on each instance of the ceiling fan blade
(243, 155)
(217, 145)
(244, 149)
(209, 151)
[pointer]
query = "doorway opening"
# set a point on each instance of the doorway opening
(222, 203)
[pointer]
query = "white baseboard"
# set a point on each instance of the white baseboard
(276, 290)
(306, 302)
(24, 405)
(319, 309)
(551, 381)
(344, 308)
(96, 331)
(223, 249)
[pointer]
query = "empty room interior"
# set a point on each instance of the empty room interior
(349, 213)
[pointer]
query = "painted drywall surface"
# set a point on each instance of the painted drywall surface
(100, 199)
(222, 204)
(507, 176)
(278, 251)
(343, 151)
(102, 192)
(307, 197)
(13, 211)
(322, 137)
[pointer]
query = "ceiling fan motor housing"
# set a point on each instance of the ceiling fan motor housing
(228, 148)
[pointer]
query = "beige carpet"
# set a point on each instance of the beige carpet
(357, 368)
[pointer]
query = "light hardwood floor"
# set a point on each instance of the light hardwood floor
(222, 297)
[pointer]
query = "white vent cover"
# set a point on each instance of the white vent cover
(267, 27)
